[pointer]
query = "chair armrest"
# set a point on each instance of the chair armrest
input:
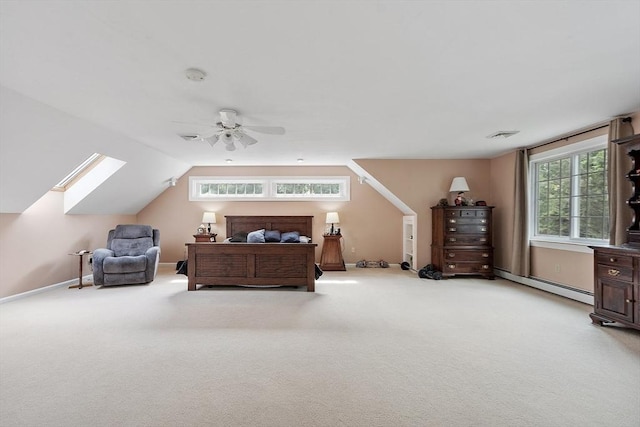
(153, 259)
(99, 256)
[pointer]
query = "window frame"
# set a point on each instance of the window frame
(571, 150)
(269, 184)
(78, 172)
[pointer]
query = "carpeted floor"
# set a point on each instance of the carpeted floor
(371, 347)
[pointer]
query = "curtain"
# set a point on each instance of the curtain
(619, 187)
(520, 241)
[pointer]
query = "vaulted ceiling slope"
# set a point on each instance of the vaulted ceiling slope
(348, 80)
(40, 145)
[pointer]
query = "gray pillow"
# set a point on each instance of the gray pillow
(240, 236)
(272, 236)
(256, 236)
(290, 237)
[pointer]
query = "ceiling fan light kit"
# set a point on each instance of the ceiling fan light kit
(230, 131)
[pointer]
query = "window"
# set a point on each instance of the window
(269, 188)
(569, 193)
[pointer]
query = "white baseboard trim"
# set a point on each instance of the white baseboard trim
(563, 291)
(87, 280)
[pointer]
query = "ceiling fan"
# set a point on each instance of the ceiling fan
(229, 131)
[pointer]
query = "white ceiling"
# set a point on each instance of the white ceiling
(349, 79)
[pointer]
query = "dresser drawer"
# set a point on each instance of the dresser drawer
(622, 261)
(479, 256)
(468, 220)
(466, 240)
(466, 229)
(466, 213)
(456, 267)
(615, 272)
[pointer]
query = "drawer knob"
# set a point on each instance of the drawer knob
(485, 255)
(483, 229)
(486, 267)
(452, 239)
(483, 239)
(452, 266)
(484, 221)
(451, 255)
(613, 259)
(629, 300)
(452, 229)
(452, 221)
(613, 272)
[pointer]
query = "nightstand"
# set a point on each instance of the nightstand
(331, 259)
(206, 237)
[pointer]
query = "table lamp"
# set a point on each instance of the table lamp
(209, 218)
(332, 218)
(459, 185)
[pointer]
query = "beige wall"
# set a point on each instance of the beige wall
(573, 269)
(34, 245)
(370, 224)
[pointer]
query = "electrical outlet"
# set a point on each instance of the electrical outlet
(353, 250)
(557, 268)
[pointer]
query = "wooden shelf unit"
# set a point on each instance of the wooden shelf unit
(616, 296)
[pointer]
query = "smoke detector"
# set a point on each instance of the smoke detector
(195, 75)
(503, 134)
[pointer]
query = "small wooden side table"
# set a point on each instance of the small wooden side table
(205, 237)
(80, 255)
(331, 258)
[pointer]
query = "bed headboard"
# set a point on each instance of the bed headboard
(301, 224)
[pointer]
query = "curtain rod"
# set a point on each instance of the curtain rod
(565, 138)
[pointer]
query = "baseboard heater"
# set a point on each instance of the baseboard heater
(551, 287)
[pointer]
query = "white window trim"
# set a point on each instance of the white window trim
(268, 185)
(552, 242)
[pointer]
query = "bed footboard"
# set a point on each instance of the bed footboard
(253, 264)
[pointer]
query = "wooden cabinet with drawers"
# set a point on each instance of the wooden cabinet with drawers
(461, 240)
(617, 286)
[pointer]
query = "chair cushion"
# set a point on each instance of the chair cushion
(131, 247)
(131, 239)
(132, 231)
(125, 264)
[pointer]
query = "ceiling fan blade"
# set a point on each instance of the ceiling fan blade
(271, 130)
(212, 139)
(245, 140)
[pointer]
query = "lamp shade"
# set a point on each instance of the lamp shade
(459, 184)
(209, 217)
(332, 218)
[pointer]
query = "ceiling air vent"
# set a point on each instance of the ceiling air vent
(503, 134)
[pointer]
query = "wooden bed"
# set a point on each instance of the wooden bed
(255, 264)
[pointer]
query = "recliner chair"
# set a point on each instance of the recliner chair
(131, 256)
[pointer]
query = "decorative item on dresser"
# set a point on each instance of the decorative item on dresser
(461, 240)
(616, 293)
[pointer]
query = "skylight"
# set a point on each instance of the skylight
(75, 174)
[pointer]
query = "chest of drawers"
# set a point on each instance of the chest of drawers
(461, 240)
